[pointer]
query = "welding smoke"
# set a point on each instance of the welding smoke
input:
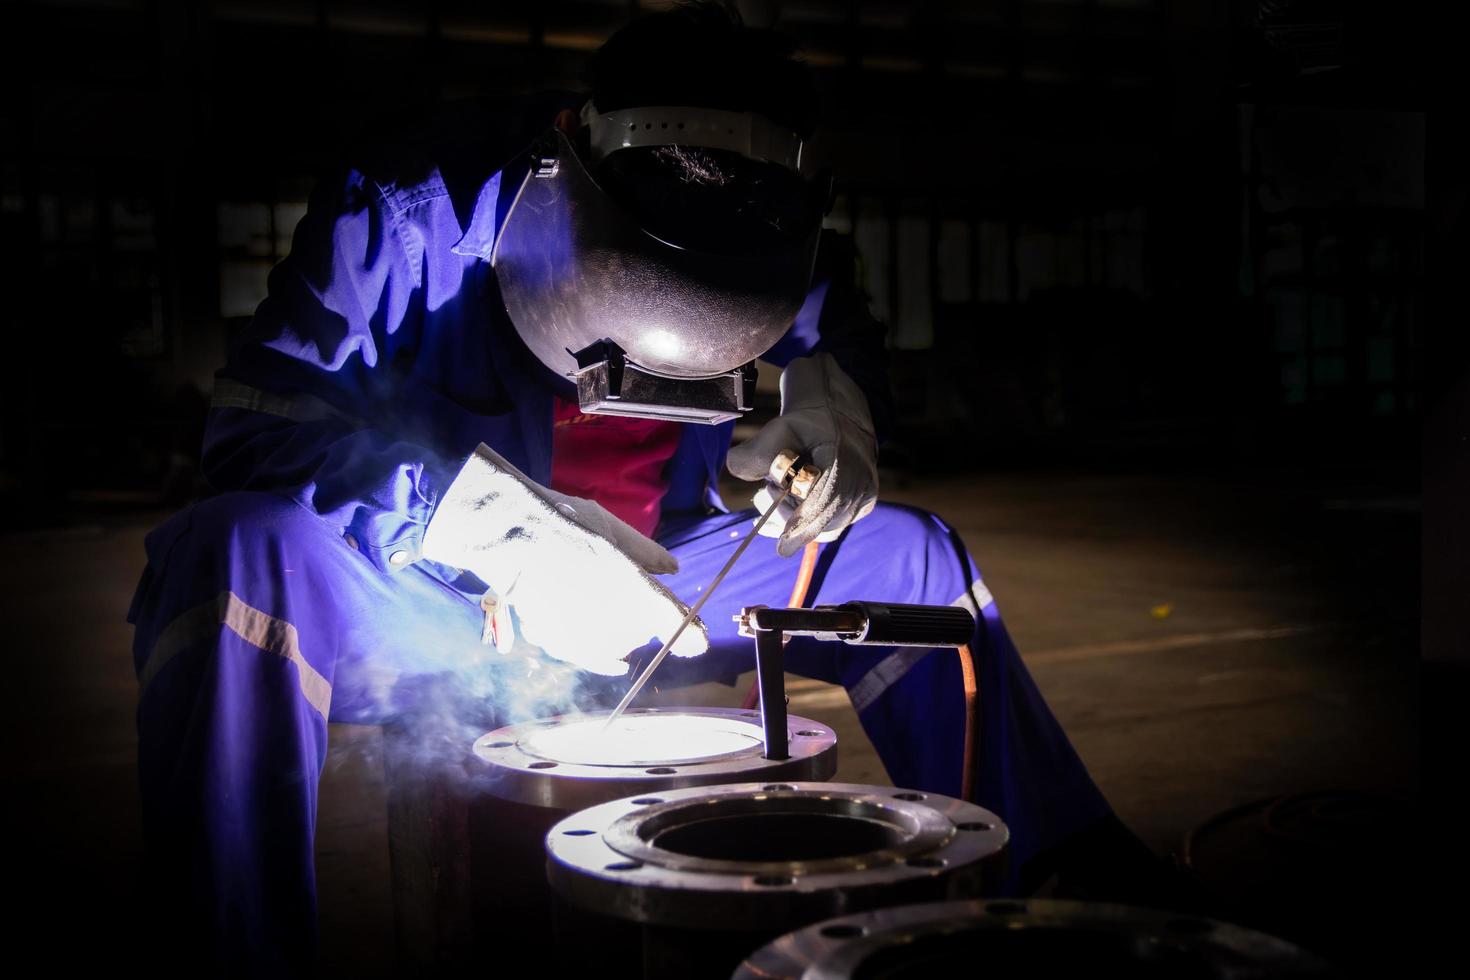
(451, 687)
(437, 701)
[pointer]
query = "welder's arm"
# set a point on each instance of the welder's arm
(567, 576)
(291, 410)
(377, 490)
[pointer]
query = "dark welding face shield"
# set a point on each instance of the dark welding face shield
(651, 320)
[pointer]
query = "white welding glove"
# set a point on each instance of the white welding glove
(579, 581)
(824, 416)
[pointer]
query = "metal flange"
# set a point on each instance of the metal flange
(1032, 939)
(763, 856)
(568, 763)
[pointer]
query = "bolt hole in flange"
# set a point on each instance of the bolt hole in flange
(542, 765)
(973, 826)
(578, 833)
(661, 771)
(809, 733)
(910, 797)
(623, 866)
(498, 745)
(777, 787)
(646, 801)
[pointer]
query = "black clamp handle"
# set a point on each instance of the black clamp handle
(901, 625)
(859, 623)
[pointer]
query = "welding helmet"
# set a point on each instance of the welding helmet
(658, 295)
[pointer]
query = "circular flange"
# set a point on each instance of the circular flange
(569, 762)
(1008, 939)
(766, 855)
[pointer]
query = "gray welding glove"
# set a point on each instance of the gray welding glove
(569, 577)
(824, 416)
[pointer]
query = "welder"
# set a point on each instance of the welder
(413, 491)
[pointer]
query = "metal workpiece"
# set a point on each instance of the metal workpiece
(568, 763)
(1014, 939)
(770, 856)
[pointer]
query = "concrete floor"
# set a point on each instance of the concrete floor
(1205, 642)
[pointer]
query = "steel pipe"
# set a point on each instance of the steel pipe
(569, 763)
(1010, 940)
(711, 873)
(526, 777)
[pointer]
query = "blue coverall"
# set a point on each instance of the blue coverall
(297, 596)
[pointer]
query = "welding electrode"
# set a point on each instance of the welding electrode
(788, 472)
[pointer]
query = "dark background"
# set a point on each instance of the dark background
(1176, 249)
(1116, 232)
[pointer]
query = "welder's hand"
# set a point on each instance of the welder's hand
(572, 578)
(824, 416)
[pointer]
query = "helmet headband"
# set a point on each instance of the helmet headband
(752, 136)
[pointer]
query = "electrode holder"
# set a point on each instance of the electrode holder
(791, 469)
(856, 623)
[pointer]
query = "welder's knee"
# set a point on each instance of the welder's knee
(234, 532)
(257, 545)
(909, 531)
(220, 607)
(250, 597)
(254, 519)
(906, 554)
(904, 524)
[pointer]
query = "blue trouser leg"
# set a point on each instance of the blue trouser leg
(255, 623)
(911, 701)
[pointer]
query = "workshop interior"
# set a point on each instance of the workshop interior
(772, 488)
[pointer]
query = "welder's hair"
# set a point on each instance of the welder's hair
(701, 54)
